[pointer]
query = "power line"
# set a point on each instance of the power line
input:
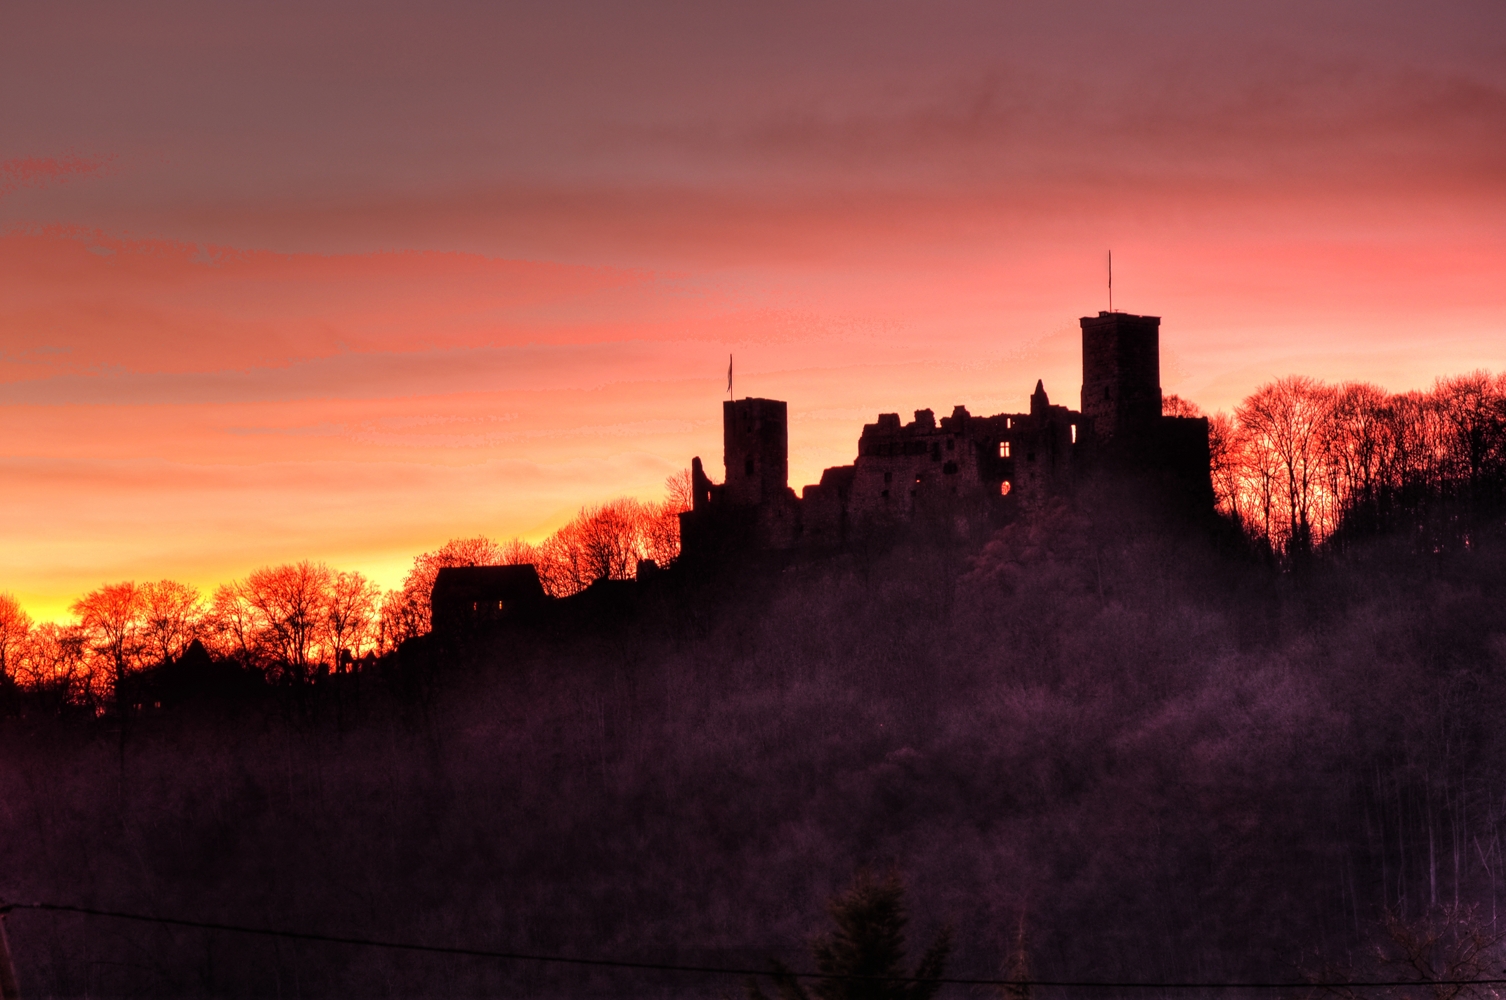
(720, 970)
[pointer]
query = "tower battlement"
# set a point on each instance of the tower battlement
(755, 450)
(1121, 372)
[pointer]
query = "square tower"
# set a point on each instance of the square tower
(755, 448)
(1121, 372)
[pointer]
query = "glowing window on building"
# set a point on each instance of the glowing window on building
(1004, 488)
(1074, 433)
(1003, 449)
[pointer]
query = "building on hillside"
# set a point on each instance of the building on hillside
(959, 472)
(467, 597)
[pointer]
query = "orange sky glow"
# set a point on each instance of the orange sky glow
(341, 282)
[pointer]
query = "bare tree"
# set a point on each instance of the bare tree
(1419, 442)
(1292, 418)
(1016, 968)
(111, 620)
(1260, 471)
(172, 617)
(15, 629)
(292, 607)
(661, 527)
(1474, 415)
(352, 615)
(52, 663)
(231, 624)
(564, 565)
(517, 552)
(1224, 465)
(603, 542)
(1173, 405)
(1360, 447)
(610, 536)
(1442, 951)
(679, 495)
(399, 619)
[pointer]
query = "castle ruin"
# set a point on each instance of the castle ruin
(961, 472)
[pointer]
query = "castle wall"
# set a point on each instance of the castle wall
(961, 470)
(825, 509)
(901, 466)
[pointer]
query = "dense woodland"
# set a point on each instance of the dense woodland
(1103, 746)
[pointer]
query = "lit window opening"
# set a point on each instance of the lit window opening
(1004, 488)
(1003, 449)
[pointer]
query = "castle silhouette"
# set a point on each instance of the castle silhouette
(962, 472)
(962, 475)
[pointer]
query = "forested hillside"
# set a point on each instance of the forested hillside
(1171, 757)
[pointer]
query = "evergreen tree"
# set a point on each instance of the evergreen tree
(864, 957)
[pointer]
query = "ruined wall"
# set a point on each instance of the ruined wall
(825, 509)
(900, 467)
(963, 471)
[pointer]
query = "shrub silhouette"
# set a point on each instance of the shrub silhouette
(864, 958)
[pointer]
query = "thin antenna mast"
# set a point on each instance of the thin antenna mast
(1111, 281)
(729, 376)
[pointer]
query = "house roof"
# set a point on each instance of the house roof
(499, 582)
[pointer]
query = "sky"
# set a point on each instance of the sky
(341, 281)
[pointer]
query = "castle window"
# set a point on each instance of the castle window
(888, 477)
(951, 444)
(1008, 422)
(885, 494)
(748, 466)
(919, 478)
(1030, 456)
(1003, 449)
(1004, 488)
(949, 469)
(1074, 433)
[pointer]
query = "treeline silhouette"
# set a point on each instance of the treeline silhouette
(295, 624)
(1301, 463)
(1101, 748)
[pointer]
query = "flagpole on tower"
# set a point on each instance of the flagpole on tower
(729, 376)
(1111, 281)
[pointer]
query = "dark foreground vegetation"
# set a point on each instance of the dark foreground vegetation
(1156, 752)
(1101, 747)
